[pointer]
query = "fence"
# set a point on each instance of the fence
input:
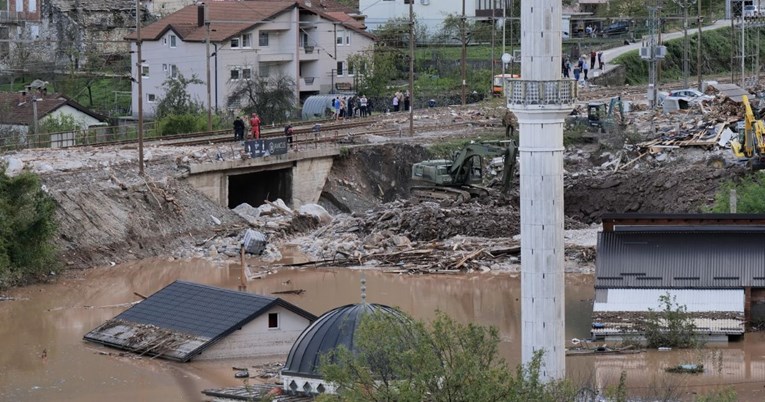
(11, 139)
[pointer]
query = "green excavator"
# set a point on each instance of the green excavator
(461, 178)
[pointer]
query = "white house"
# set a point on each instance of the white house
(185, 321)
(299, 39)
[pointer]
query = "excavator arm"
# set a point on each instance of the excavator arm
(462, 166)
(751, 142)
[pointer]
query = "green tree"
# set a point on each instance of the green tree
(669, 326)
(177, 99)
(273, 98)
(404, 360)
(60, 123)
(750, 196)
(27, 227)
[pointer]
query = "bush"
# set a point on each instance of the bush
(185, 123)
(750, 196)
(26, 229)
(404, 360)
(671, 326)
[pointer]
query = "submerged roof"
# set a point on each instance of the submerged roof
(333, 329)
(723, 257)
(184, 318)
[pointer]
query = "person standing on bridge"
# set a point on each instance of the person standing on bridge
(255, 126)
(238, 128)
(600, 60)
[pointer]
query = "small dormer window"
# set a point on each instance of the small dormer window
(273, 320)
(263, 38)
(235, 43)
(247, 40)
(173, 41)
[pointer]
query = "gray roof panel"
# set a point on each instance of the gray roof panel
(680, 259)
(184, 318)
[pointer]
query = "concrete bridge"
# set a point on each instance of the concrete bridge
(295, 177)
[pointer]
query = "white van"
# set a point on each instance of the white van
(751, 11)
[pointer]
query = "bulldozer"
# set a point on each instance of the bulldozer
(460, 179)
(601, 117)
(750, 145)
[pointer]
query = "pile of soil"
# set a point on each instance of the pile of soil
(676, 188)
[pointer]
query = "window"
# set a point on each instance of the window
(348, 39)
(304, 40)
(164, 41)
(264, 70)
(145, 71)
(173, 40)
(339, 68)
(263, 38)
(273, 320)
(174, 71)
(247, 40)
(151, 98)
(235, 43)
(235, 75)
(164, 67)
(247, 73)
(339, 38)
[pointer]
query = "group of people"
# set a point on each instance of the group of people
(351, 106)
(240, 128)
(400, 99)
(254, 133)
(581, 69)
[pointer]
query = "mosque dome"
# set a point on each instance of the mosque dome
(333, 329)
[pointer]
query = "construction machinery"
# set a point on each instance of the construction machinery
(750, 144)
(461, 178)
(600, 117)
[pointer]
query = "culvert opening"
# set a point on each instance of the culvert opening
(256, 188)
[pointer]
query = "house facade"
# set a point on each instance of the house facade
(248, 39)
(710, 263)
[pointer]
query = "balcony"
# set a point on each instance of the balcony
(275, 57)
(526, 93)
(309, 84)
(12, 17)
(309, 53)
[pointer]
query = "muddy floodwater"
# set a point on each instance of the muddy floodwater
(44, 358)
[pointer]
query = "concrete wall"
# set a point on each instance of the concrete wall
(255, 339)
(308, 178)
(310, 169)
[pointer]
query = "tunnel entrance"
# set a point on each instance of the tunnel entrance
(255, 188)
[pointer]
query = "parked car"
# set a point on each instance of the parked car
(751, 11)
(617, 28)
(689, 95)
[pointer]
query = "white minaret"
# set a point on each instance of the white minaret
(541, 99)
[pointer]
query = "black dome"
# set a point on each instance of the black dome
(334, 328)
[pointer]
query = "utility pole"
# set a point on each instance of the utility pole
(686, 44)
(411, 67)
(504, 24)
(699, 20)
(464, 52)
(139, 64)
(493, 53)
(207, 60)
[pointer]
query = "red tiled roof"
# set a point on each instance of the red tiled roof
(17, 110)
(228, 18)
(321, 5)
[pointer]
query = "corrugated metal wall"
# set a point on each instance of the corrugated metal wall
(680, 260)
(695, 300)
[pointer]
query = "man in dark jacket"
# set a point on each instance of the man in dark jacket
(238, 128)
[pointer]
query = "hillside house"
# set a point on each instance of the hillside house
(185, 321)
(248, 39)
(713, 264)
(22, 113)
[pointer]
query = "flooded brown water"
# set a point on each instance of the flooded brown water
(44, 358)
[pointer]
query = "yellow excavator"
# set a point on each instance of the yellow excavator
(750, 144)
